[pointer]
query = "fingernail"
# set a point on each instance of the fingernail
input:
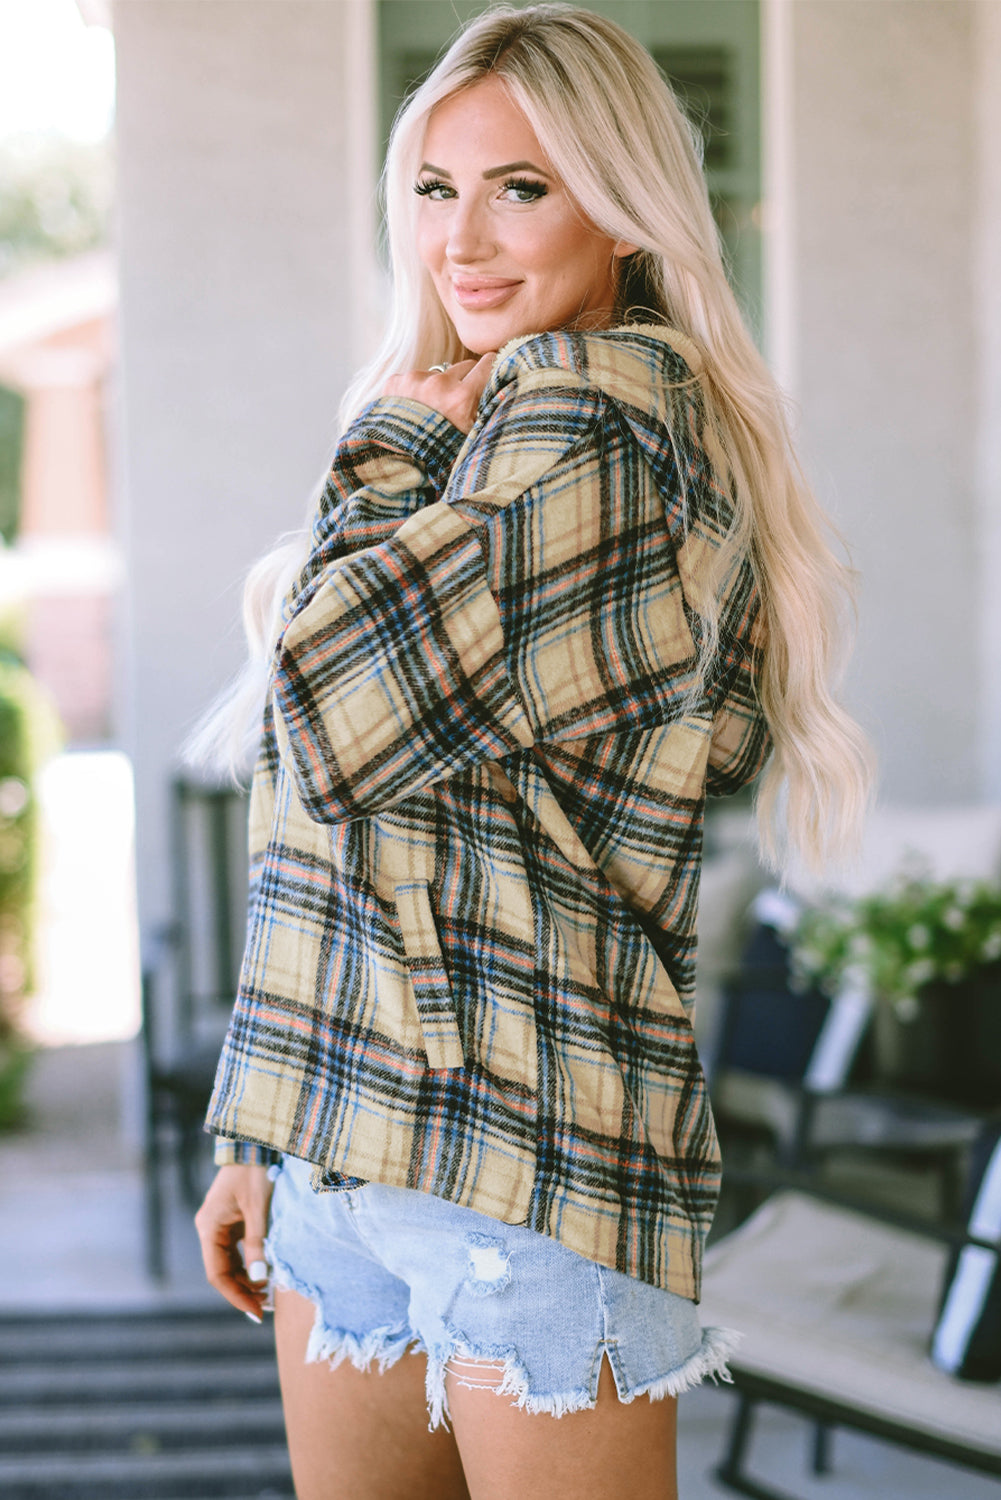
(258, 1270)
(254, 1317)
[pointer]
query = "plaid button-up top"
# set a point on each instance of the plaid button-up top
(476, 819)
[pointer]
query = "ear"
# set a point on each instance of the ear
(622, 248)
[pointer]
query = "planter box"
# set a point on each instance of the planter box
(952, 1049)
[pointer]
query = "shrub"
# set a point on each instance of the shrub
(27, 726)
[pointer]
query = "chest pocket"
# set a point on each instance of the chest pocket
(428, 977)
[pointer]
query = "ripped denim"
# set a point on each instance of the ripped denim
(388, 1269)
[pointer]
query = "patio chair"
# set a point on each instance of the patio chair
(791, 1067)
(190, 974)
(863, 1322)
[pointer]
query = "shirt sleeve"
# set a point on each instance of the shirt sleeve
(394, 459)
(740, 736)
(393, 674)
(530, 604)
(244, 1153)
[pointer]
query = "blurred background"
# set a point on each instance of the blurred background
(190, 271)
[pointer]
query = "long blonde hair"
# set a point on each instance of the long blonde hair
(615, 134)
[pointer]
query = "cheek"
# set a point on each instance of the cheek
(430, 245)
(568, 251)
(547, 247)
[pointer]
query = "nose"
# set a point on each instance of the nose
(469, 237)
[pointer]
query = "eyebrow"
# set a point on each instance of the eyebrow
(511, 166)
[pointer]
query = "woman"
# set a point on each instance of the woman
(563, 580)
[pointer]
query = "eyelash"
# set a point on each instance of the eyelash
(530, 185)
(535, 190)
(428, 185)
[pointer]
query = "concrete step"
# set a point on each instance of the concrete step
(94, 1337)
(139, 1428)
(140, 1406)
(211, 1472)
(137, 1380)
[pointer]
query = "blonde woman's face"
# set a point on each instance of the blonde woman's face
(508, 249)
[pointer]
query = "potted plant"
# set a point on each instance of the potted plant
(929, 953)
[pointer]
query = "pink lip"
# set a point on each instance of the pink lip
(483, 291)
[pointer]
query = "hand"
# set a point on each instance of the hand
(235, 1209)
(454, 392)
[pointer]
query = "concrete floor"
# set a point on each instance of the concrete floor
(71, 1192)
(71, 1235)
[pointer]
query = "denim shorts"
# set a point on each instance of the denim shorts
(389, 1269)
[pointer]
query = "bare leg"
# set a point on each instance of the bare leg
(604, 1454)
(355, 1435)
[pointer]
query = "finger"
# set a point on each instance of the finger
(480, 372)
(255, 1223)
(477, 369)
(235, 1210)
(224, 1271)
(254, 1257)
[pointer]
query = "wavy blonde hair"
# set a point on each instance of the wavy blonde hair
(614, 132)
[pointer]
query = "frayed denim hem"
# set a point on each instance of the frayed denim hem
(709, 1362)
(381, 1346)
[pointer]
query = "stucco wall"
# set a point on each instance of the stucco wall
(881, 147)
(247, 192)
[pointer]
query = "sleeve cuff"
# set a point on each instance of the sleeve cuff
(244, 1153)
(416, 432)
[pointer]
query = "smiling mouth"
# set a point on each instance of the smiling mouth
(484, 293)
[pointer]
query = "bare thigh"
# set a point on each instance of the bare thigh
(603, 1454)
(357, 1435)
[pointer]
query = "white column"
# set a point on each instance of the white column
(987, 291)
(778, 193)
(883, 145)
(247, 208)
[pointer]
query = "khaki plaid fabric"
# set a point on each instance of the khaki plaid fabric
(477, 815)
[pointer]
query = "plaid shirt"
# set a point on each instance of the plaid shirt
(476, 820)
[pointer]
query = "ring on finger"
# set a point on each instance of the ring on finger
(439, 369)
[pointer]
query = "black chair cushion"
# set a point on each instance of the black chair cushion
(769, 1028)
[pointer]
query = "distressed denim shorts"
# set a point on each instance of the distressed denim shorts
(389, 1269)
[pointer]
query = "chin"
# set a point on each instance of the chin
(482, 334)
(484, 340)
(474, 347)
(480, 340)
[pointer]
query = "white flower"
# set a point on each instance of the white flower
(992, 947)
(954, 919)
(919, 973)
(918, 936)
(13, 797)
(907, 1007)
(860, 946)
(855, 977)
